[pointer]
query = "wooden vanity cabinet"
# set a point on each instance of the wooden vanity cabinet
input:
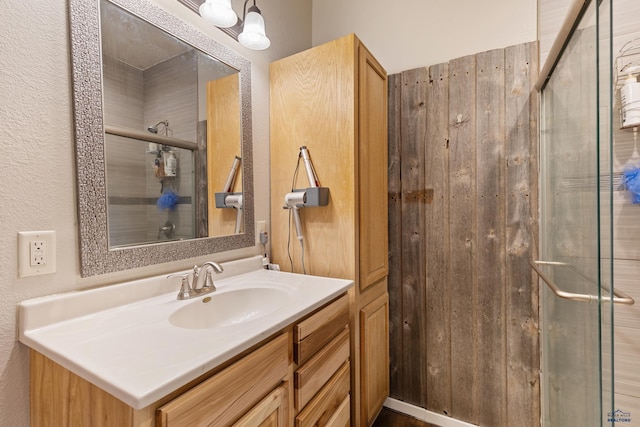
(318, 355)
(299, 377)
(236, 393)
(333, 99)
(229, 395)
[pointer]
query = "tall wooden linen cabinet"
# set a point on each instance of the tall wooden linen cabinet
(333, 100)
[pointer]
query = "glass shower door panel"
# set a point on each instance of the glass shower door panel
(570, 234)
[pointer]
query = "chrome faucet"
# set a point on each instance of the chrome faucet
(208, 285)
(194, 289)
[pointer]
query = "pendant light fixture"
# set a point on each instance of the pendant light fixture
(219, 13)
(253, 33)
(249, 31)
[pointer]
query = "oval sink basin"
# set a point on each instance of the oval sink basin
(229, 308)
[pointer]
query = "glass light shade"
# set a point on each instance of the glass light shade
(253, 34)
(219, 13)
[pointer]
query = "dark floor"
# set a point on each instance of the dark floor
(390, 418)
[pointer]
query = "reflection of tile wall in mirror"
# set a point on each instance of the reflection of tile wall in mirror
(169, 90)
(134, 190)
(123, 94)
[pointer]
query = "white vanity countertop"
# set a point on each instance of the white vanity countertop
(120, 338)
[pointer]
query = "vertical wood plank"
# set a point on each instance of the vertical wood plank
(437, 242)
(521, 233)
(491, 200)
(395, 240)
(463, 239)
(414, 125)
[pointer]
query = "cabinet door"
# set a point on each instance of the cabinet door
(272, 411)
(374, 357)
(228, 395)
(372, 164)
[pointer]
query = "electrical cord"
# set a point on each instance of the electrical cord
(289, 241)
(293, 184)
(304, 270)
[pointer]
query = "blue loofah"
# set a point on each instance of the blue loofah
(631, 181)
(168, 200)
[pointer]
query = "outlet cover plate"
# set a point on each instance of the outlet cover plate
(26, 241)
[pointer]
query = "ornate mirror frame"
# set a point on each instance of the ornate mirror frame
(95, 255)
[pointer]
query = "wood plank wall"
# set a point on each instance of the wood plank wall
(463, 173)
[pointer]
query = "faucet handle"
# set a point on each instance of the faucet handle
(185, 291)
(196, 271)
(208, 282)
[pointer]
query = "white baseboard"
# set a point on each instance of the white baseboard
(424, 415)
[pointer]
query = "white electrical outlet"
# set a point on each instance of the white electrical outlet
(36, 253)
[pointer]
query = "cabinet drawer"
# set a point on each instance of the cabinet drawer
(311, 377)
(328, 407)
(223, 398)
(314, 332)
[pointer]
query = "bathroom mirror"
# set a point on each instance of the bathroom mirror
(163, 148)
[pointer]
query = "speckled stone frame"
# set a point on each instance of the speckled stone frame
(95, 255)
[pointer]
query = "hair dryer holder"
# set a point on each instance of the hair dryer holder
(222, 200)
(309, 197)
(314, 196)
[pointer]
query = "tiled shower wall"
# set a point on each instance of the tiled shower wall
(123, 107)
(626, 239)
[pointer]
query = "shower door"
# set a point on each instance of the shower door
(575, 239)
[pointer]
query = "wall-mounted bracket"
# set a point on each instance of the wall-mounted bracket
(315, 196)
(228, 200)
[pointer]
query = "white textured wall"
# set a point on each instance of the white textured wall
(551, 15)
(418, 33)
(37, 174)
